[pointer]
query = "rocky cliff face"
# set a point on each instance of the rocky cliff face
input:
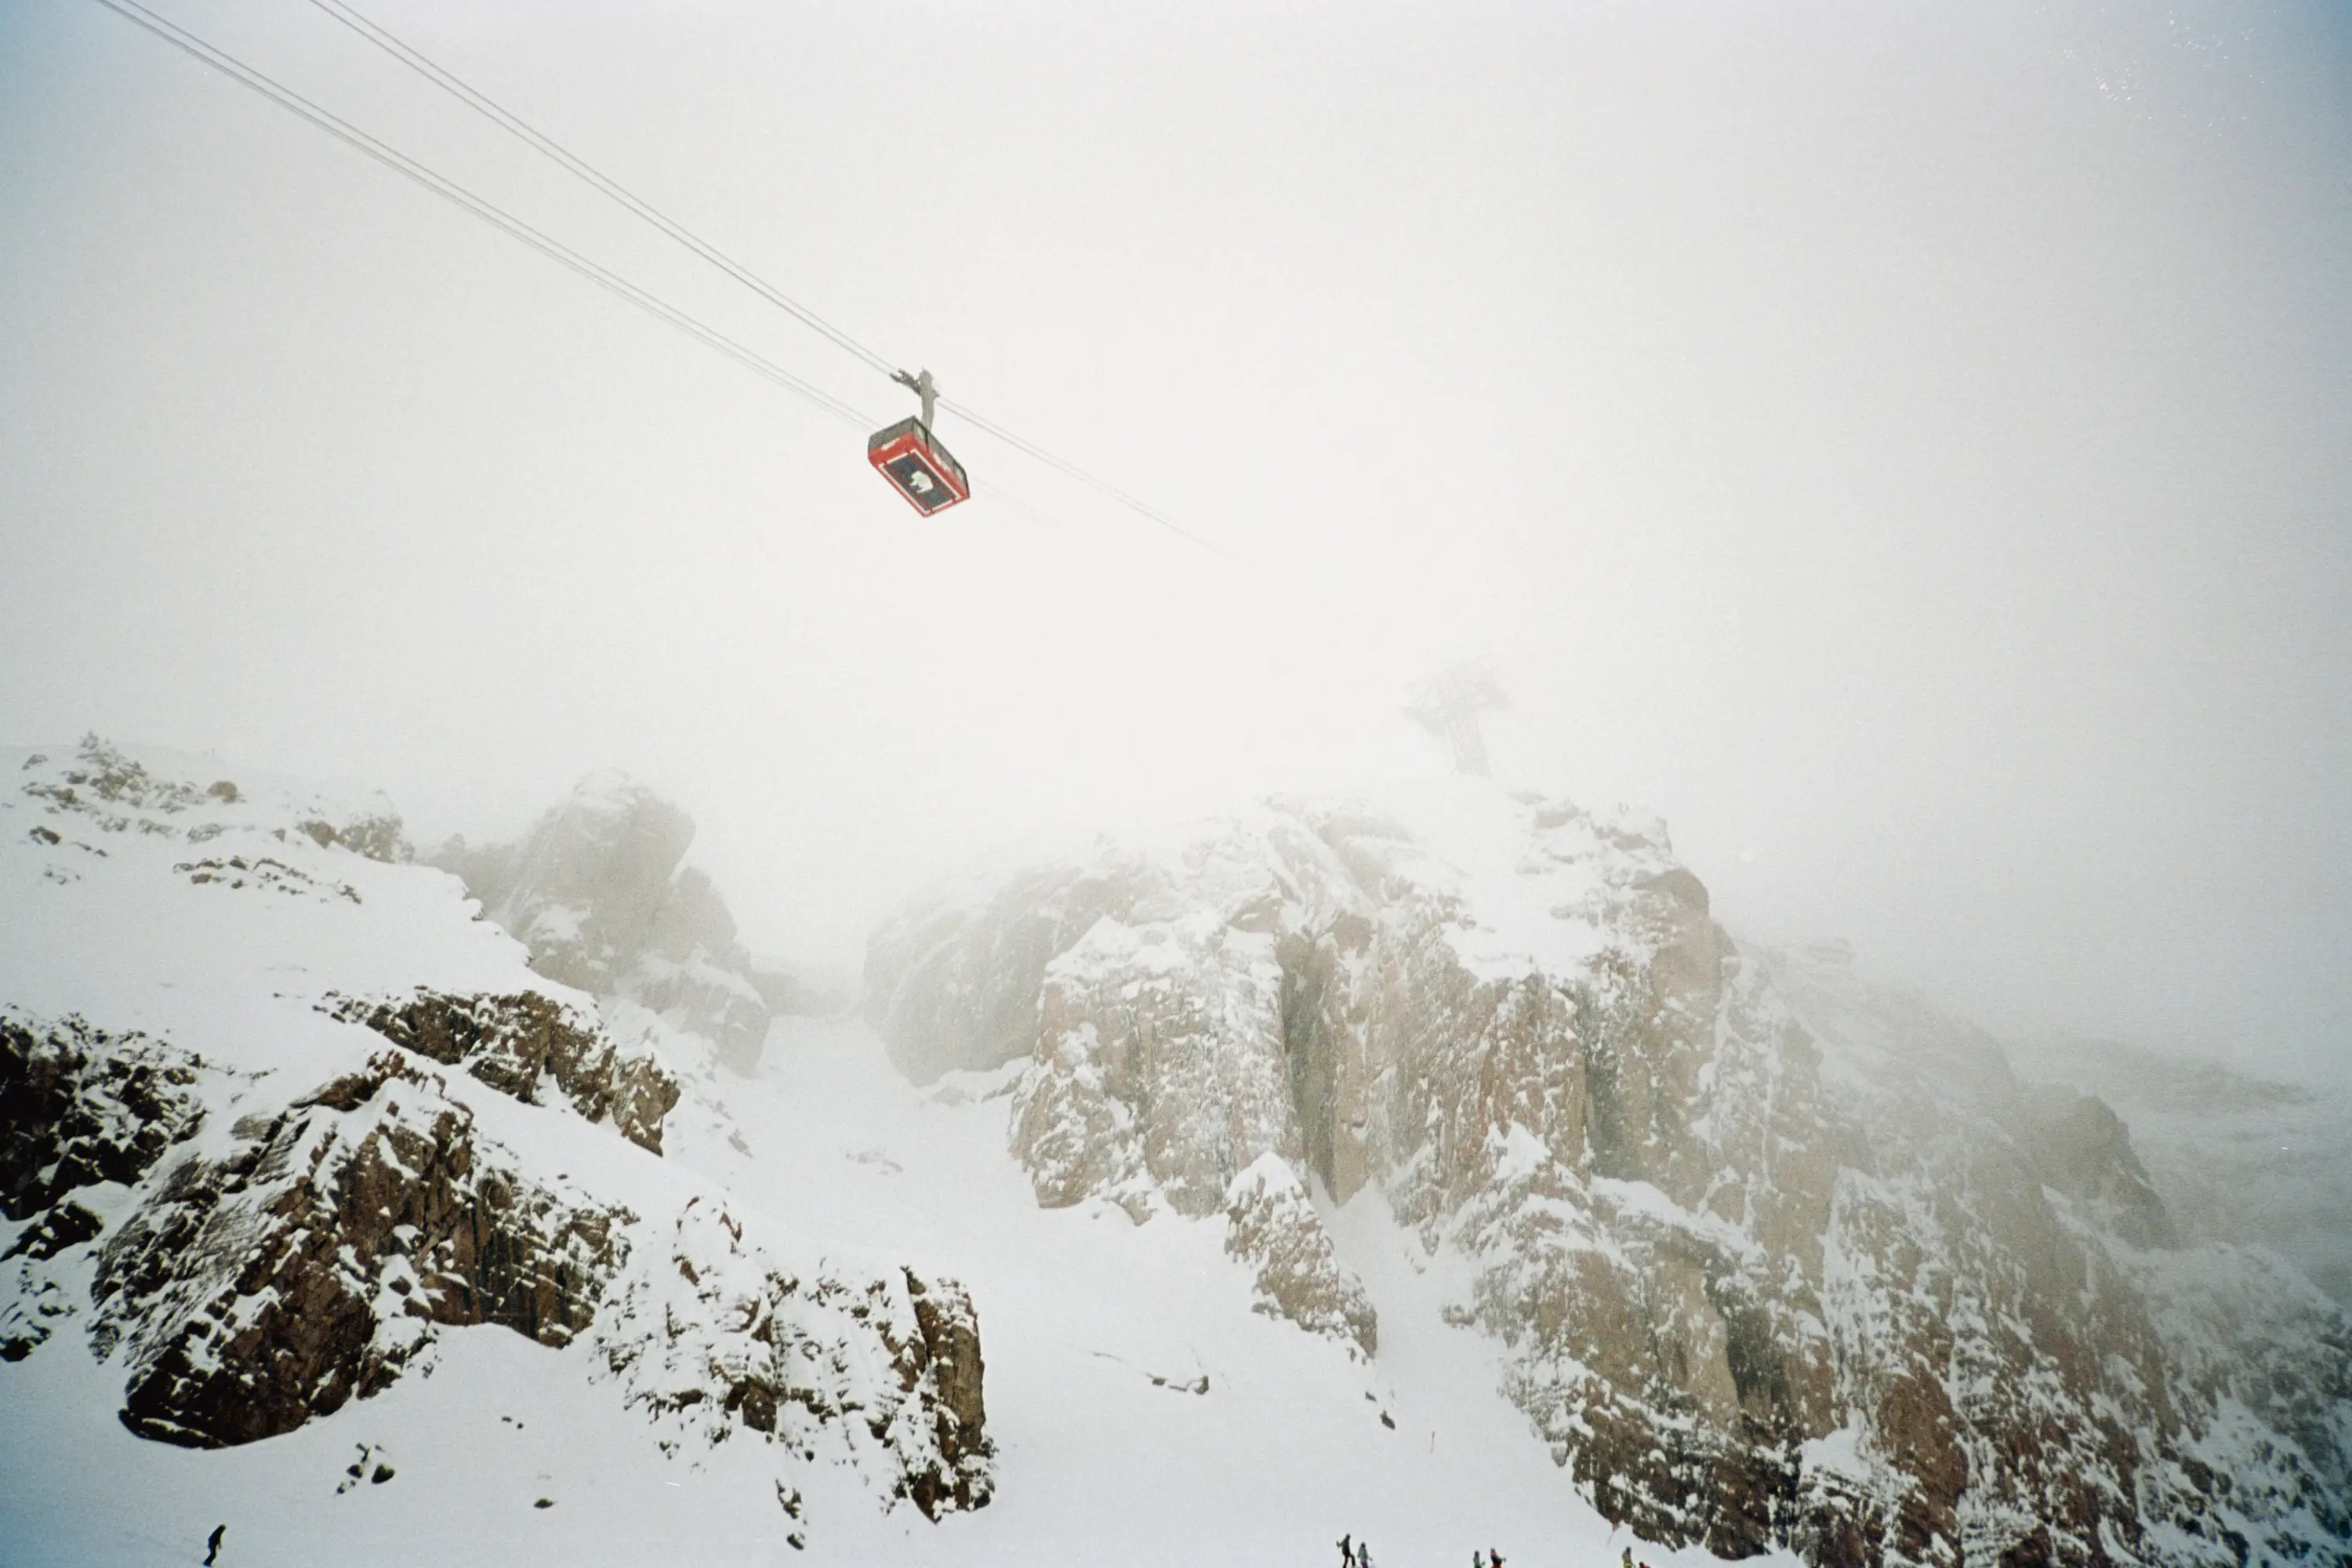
(1776, 1259)
(353, 1122)
(597, 893)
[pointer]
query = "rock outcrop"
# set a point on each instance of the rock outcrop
(2231, 1156)
(516, 1043)
(117, 793)
(1159, 1073)
(1778, 1259)
(724, 1334)
(309, 1261)
(79, 1108)
(1271, 1225)
(597, 893)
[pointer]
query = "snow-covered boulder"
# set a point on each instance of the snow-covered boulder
(1776, 1258)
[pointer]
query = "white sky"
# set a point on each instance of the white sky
(1907, 445)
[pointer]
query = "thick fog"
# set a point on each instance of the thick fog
(1908, 446)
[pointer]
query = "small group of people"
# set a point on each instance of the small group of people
(1354, 1553)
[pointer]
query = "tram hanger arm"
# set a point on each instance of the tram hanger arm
(924, 387)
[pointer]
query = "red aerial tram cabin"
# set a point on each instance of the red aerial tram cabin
(908, 456)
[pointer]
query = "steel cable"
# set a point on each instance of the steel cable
(547, 146)
(479, 207)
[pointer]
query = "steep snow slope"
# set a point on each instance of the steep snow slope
(1397, 1158)
(1100, 1330)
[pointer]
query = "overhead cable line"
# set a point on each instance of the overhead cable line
(515, 125)
(1106, 487)
(482, 104)
(480, 207)
(286, 97)
(489, 211)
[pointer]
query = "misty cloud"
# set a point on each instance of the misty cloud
(1910, 449)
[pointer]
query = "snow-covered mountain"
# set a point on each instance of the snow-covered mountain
(279, 1113)
(1434, 1170)
(1776, 1258)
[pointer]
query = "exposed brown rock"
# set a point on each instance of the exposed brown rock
(2082, 1148)
(256, 1291)
(511, 1042)
(1131, 1017)
(1271, 1225)
(79, 1105)
(949, 1371)
(253, 1288)
(754, 1344)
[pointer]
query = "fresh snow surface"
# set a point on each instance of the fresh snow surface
(1098, 1333)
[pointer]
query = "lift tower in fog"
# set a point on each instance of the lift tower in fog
(1448, 704)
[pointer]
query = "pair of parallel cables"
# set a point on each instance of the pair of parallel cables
(643, 299)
